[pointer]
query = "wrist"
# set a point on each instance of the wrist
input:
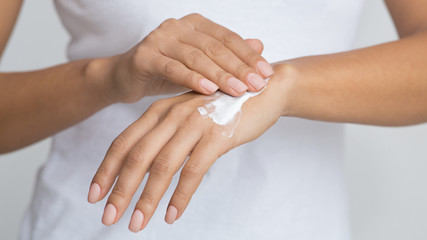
(100, 72)
(286, 74)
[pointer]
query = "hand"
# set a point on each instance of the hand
(169, 131)
(193, 52)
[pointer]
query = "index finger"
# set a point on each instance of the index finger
(232, 40)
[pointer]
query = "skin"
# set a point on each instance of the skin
(7, 20)
(38, 104)
(380, 85)
(162, 139)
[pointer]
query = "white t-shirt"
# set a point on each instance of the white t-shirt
(287, 184)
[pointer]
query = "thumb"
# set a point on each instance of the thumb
(256, 45)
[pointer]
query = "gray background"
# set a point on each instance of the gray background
(385, 167)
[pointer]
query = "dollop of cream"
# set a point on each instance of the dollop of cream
(225, 110)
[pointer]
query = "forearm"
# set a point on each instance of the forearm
(35, 105)
(380, 85)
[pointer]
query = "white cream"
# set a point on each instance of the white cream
(225, 110)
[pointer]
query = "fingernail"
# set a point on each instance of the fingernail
(256, 81)
(171, 214)
(136, 221)
(94, 193)
(237, 85)
(208, 85)
(110, 213)
(265, 69)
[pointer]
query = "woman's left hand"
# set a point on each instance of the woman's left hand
(160, 142)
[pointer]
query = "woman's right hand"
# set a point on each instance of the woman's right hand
(191, 52)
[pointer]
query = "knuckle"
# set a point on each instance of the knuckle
(151, 37)
(253, 57)
(192, 170)
(181, 196)
(153, 113)
(147, 199)
(161, 166)
(215, 49)
(159, 104)
(216, 131)
(102, 172)
(220, 140)
(195, 15)
(171, 67)
(191, 76)
(168, 23)
(180, 110)
(118, 192)
(221, 77)
(231, 37)
(194, 56)
(241, 69)
(119, 145)
(156, 39)
(194, 118)
(192, 16)
(151, 41)
(133, 159)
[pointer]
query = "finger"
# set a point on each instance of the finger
(203, 156)
(226, 60)
(116, 153)
(232, 41)
(256, 45)
(198, 61)
(166, 164)
(134, 168)
(217, 54)
(177, 72)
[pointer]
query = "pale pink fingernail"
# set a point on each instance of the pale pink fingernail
(171, 214)
(208, 85)
(256, 81)
(94, 193)
(237, 85)
(136, 221)
(265, 69)
(110, 214)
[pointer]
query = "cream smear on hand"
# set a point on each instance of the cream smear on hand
(225, 110)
